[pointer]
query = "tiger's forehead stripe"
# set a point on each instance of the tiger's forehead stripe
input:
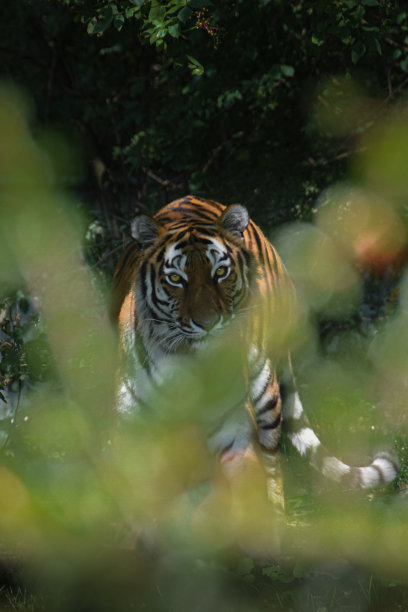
(188, 211)
(217, 253)
(217, 245)
(187, 207)
(174, 256)
(171, 253)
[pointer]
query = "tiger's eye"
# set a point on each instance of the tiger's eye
(175, 278)
(221, 271)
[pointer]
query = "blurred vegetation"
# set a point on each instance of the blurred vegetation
(297, 110)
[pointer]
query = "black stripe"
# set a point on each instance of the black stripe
(275, 423)
(293, 425)
(153, 277)
(270, 405)
(270, 270)
(143, 276)
(197, 212)
(182, 232)
(379, 470)
(275, 258)
(124, 262)
(259, 396)
(210, 203)
(259, 244)
(159, 256)
(181, 244)
(163, 218)
(241, 264)
(155, 299)
(247, 255)
(203, 240)
(142, 355)
(384, 455)
(284, 392)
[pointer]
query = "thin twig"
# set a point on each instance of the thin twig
(153, 175)
(106, 255)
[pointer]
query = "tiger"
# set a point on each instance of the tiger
(192, 271)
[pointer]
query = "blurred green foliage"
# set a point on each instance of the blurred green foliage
(134, 103)
(96, 516)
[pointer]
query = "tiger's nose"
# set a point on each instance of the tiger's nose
(207, 321)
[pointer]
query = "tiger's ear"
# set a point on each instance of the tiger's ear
(235, 219)
(145, 230)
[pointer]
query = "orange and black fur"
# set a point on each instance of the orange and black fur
(193, 270)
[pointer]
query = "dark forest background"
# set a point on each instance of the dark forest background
(255, 102)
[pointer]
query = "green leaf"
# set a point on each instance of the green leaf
(288, 71)
(99, 24)
(370, 2)
(91, 26)
(357, 52)
(157, 12)
(184, 15)
(228, 98)
(404, 64)
(401, 18)
(196, 68)
(317, 40)
(130, 12)
(118, 22)
(174, 30)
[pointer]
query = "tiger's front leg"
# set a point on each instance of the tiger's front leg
(265, 407)
(238, 508)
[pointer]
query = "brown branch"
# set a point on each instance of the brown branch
(106, 256)
(153, 175)
(375, 115)
(212, 158)
(332, 160)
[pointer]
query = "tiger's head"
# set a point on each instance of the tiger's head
(193, 278)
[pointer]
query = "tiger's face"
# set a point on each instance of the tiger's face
(203, 283)
(192, 283)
